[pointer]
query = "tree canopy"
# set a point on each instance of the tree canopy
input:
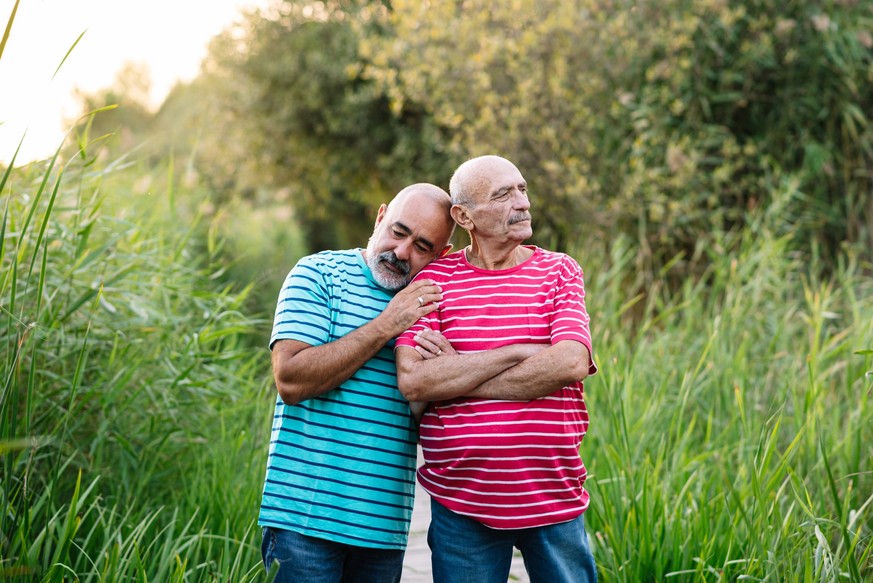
(665, 122)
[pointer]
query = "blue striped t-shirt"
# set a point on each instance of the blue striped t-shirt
(341, 466)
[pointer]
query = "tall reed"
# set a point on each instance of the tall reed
(732, 425)
(129, 386)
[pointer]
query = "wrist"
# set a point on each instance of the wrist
(382, 329)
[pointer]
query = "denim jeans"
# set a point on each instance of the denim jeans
(465, 551)
(305, 559)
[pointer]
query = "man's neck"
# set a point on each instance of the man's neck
(497, 258)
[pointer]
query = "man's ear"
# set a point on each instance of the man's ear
(459, 214)
(445, 250)
(381, 214)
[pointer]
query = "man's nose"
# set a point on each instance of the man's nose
(522, 202)
(403, 250)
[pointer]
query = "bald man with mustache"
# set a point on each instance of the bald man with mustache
(499, 365)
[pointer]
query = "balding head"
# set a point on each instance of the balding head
(411, 231)
(425, 193)
(473, 176)
(491, 203)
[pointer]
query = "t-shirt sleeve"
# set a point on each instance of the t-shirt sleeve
(570, 318)
(303, 308)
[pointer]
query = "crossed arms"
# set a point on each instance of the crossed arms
(514, 372)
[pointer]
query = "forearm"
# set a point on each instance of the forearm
(451, 375)
(315, 370)
(542, 374)
(303, 371)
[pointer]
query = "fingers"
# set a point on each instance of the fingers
(423, 294)
(417, 300)
(431, 344)
(426, 347)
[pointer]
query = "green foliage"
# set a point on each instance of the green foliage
(732, 428)
(665, 122)
(128, 384)
(318, 127)
(730, 102)
(128, 122)
(684, 152)
(731, 419)
(260, 241)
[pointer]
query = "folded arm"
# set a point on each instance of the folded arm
(542, 370)
(543, 373)
(451, 374)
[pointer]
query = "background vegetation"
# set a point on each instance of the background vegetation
(709, 164)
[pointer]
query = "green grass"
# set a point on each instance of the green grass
(731, 435)
(732, 429)
(134, 408)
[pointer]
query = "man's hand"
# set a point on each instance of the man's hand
(302, 371)
(432, 344)
(418, 299)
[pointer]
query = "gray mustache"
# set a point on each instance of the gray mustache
(519, 218)
(390, 258)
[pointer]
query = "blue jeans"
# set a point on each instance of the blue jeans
(305, 559)
(466, 551)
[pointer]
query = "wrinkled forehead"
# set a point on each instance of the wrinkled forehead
(493, 174)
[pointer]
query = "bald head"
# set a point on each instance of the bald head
(491, 203)
(424, 193)
(411, 231)
(474, 175)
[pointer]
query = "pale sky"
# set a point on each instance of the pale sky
(169, 36)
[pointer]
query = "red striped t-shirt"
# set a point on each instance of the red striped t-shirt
(507, 464)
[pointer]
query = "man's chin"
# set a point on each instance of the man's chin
(520, 235)
(390, 281)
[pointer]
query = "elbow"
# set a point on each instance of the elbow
(410, 386)
(293, 392)
(415, 394)
(409, 389)
(577, 371)
(578, 361)
(289, 393)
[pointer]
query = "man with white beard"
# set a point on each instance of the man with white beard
(339, 488)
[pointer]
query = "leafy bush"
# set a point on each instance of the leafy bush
(666, 122)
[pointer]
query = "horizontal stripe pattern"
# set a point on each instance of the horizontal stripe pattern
(507, 464)
(340, 466)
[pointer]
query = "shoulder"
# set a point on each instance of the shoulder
(556, 258)
(329, 257)
(443, 267)
(329, 262)
(558, 263)
(324, 269)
